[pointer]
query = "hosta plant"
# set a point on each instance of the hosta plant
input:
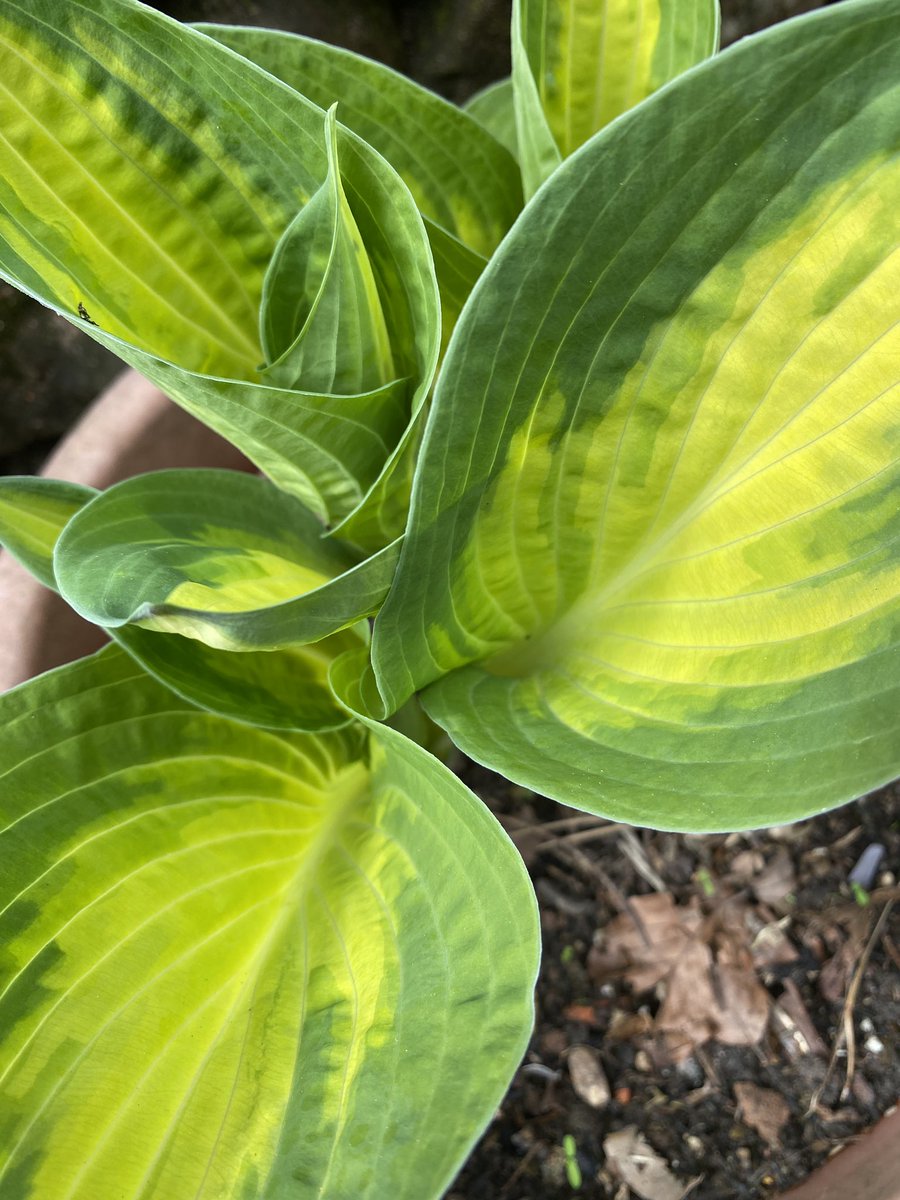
(576, 418)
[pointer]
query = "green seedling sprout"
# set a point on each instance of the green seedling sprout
(573, 1171)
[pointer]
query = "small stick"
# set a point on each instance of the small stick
(847, 1034)
(564, 823)
(519, 1171)
(583, 835)
(634, 852)
(580, 861)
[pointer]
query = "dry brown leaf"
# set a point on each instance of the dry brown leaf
(742, 1007)
(645, 953)
(795, 1028)
(835, 974)
(777, 878)
(834, 978)
(763, 1110)
(703, 966)
(746, 864)
(628, 1027)
(588, 1078)
(705, 1000)
(632, 1159)
(772, 948)
(684, 1016)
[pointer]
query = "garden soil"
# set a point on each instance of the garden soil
(715, 1015)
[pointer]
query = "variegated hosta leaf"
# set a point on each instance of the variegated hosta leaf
(494, 109)
(580, 63)
(327, 451)
(653, 545)
(539, 155)
(276, 689)
(33, 513)
(220, 556)
(322, 325)
(281, 689)
(241, 964)
(457, 269)
(465, 185)
(462, 181)
(146, 175)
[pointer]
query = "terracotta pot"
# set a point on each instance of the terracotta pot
(868, 1169)
(131, 428)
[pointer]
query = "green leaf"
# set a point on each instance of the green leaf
(219, 556)
(148, 173)
(352, 681)
(33, 511)
(275, 689)
(464, 183)
(322, 326)
(282, 689)
(108, 150)
(494, 109)
(327, 451)
(539, 154)
(582, 64)
(653, 545)
(457, 268)
(461, 179)
(241, 964)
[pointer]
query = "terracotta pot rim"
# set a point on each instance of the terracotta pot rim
(131, 428)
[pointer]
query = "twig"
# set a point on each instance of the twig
(583, 835)
(572, 906)
(593, 870)
(693, 1183)
(527, 825)
(634, 852)
(519, 1171)
(709, 1069)
(847, 1034)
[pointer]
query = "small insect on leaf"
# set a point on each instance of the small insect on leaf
(84, 314)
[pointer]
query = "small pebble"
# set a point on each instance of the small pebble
(691, 1072)
(587, 1075)
(867, 865)
(538, 1071)
(874, 1045)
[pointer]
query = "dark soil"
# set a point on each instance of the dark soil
(685, 1109)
